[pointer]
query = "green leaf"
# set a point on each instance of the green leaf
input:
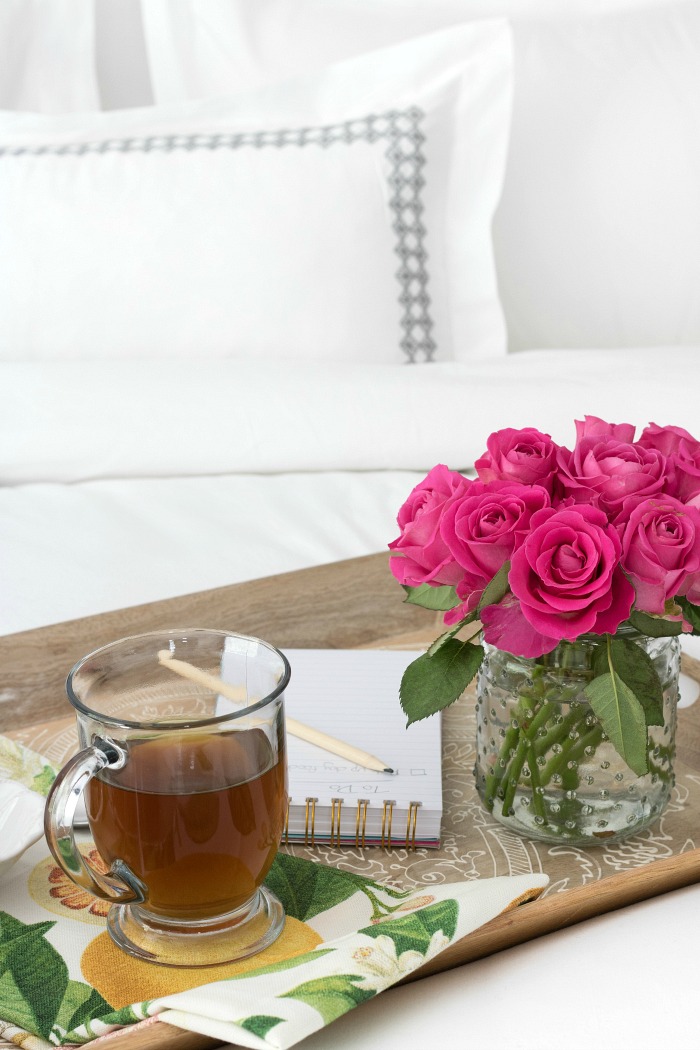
(125, 1015)
(331, 996)
(636, 669)
(439, 599)
(12, 930)
(413, 932)
(654, 626)
(80, 1004)
(622, 718)
(260, 1024)
(306, 889)
(15, 1007)
(497, 589)
(34, 976)
(431, 683)
(690, 612)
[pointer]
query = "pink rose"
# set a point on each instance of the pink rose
(666, 440)
(484, 526)
(661, 552)
(686, 466)
(684, 457)
(424, 557)
(594, 427)
(605, 471)
(682, 451)
(526, 455)
(568, 581)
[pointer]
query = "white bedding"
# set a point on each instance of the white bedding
(123, 483)
(73, 550)
(71, 421)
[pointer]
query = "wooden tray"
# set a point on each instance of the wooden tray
(357, 603)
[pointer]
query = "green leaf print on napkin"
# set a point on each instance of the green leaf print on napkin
(35, 992)
(34, 976)
(41, 782)
(307, 889)
(260, 1024)
(415, 932)
(81, 1004)
(331, 996)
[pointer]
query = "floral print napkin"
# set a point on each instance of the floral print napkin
(346, 939)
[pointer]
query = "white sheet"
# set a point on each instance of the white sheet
(126, 484)
(75, 420)
(73, 550)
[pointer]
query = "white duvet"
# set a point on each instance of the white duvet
(126, 482)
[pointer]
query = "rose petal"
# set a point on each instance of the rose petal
(506, 628)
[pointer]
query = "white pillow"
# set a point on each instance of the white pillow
(345, 216)
(47, 56)
(597, 236)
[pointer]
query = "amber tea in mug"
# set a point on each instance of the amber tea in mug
(224, 819)
(185, 792)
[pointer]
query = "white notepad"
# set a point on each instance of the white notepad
(353, 695)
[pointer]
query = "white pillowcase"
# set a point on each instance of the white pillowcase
(597, 236)
(345, 216)
(47, 56)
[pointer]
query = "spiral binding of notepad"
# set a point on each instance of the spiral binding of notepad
(389, 838)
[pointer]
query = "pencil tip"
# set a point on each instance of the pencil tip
(387, 770)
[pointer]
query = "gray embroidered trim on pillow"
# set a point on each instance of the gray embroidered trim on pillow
(400, 129)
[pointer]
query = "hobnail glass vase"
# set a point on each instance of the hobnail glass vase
(544, 766)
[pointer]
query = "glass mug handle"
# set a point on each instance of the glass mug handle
(119, 885)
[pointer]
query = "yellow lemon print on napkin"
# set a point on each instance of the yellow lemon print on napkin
(123, 980)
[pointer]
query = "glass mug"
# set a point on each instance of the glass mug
(183, 770)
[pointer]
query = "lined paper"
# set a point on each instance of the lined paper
(353, 695)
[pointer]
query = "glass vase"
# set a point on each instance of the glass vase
(544, 766)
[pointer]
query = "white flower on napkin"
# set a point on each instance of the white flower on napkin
(380, 965)
(21, 764)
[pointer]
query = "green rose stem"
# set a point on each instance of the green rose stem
(559, 730)
(572, 751)
(532, 719)
(523, 741)
(665, 754)
(572, 735)
(494, 778)
(513, 773)
(537, 800)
